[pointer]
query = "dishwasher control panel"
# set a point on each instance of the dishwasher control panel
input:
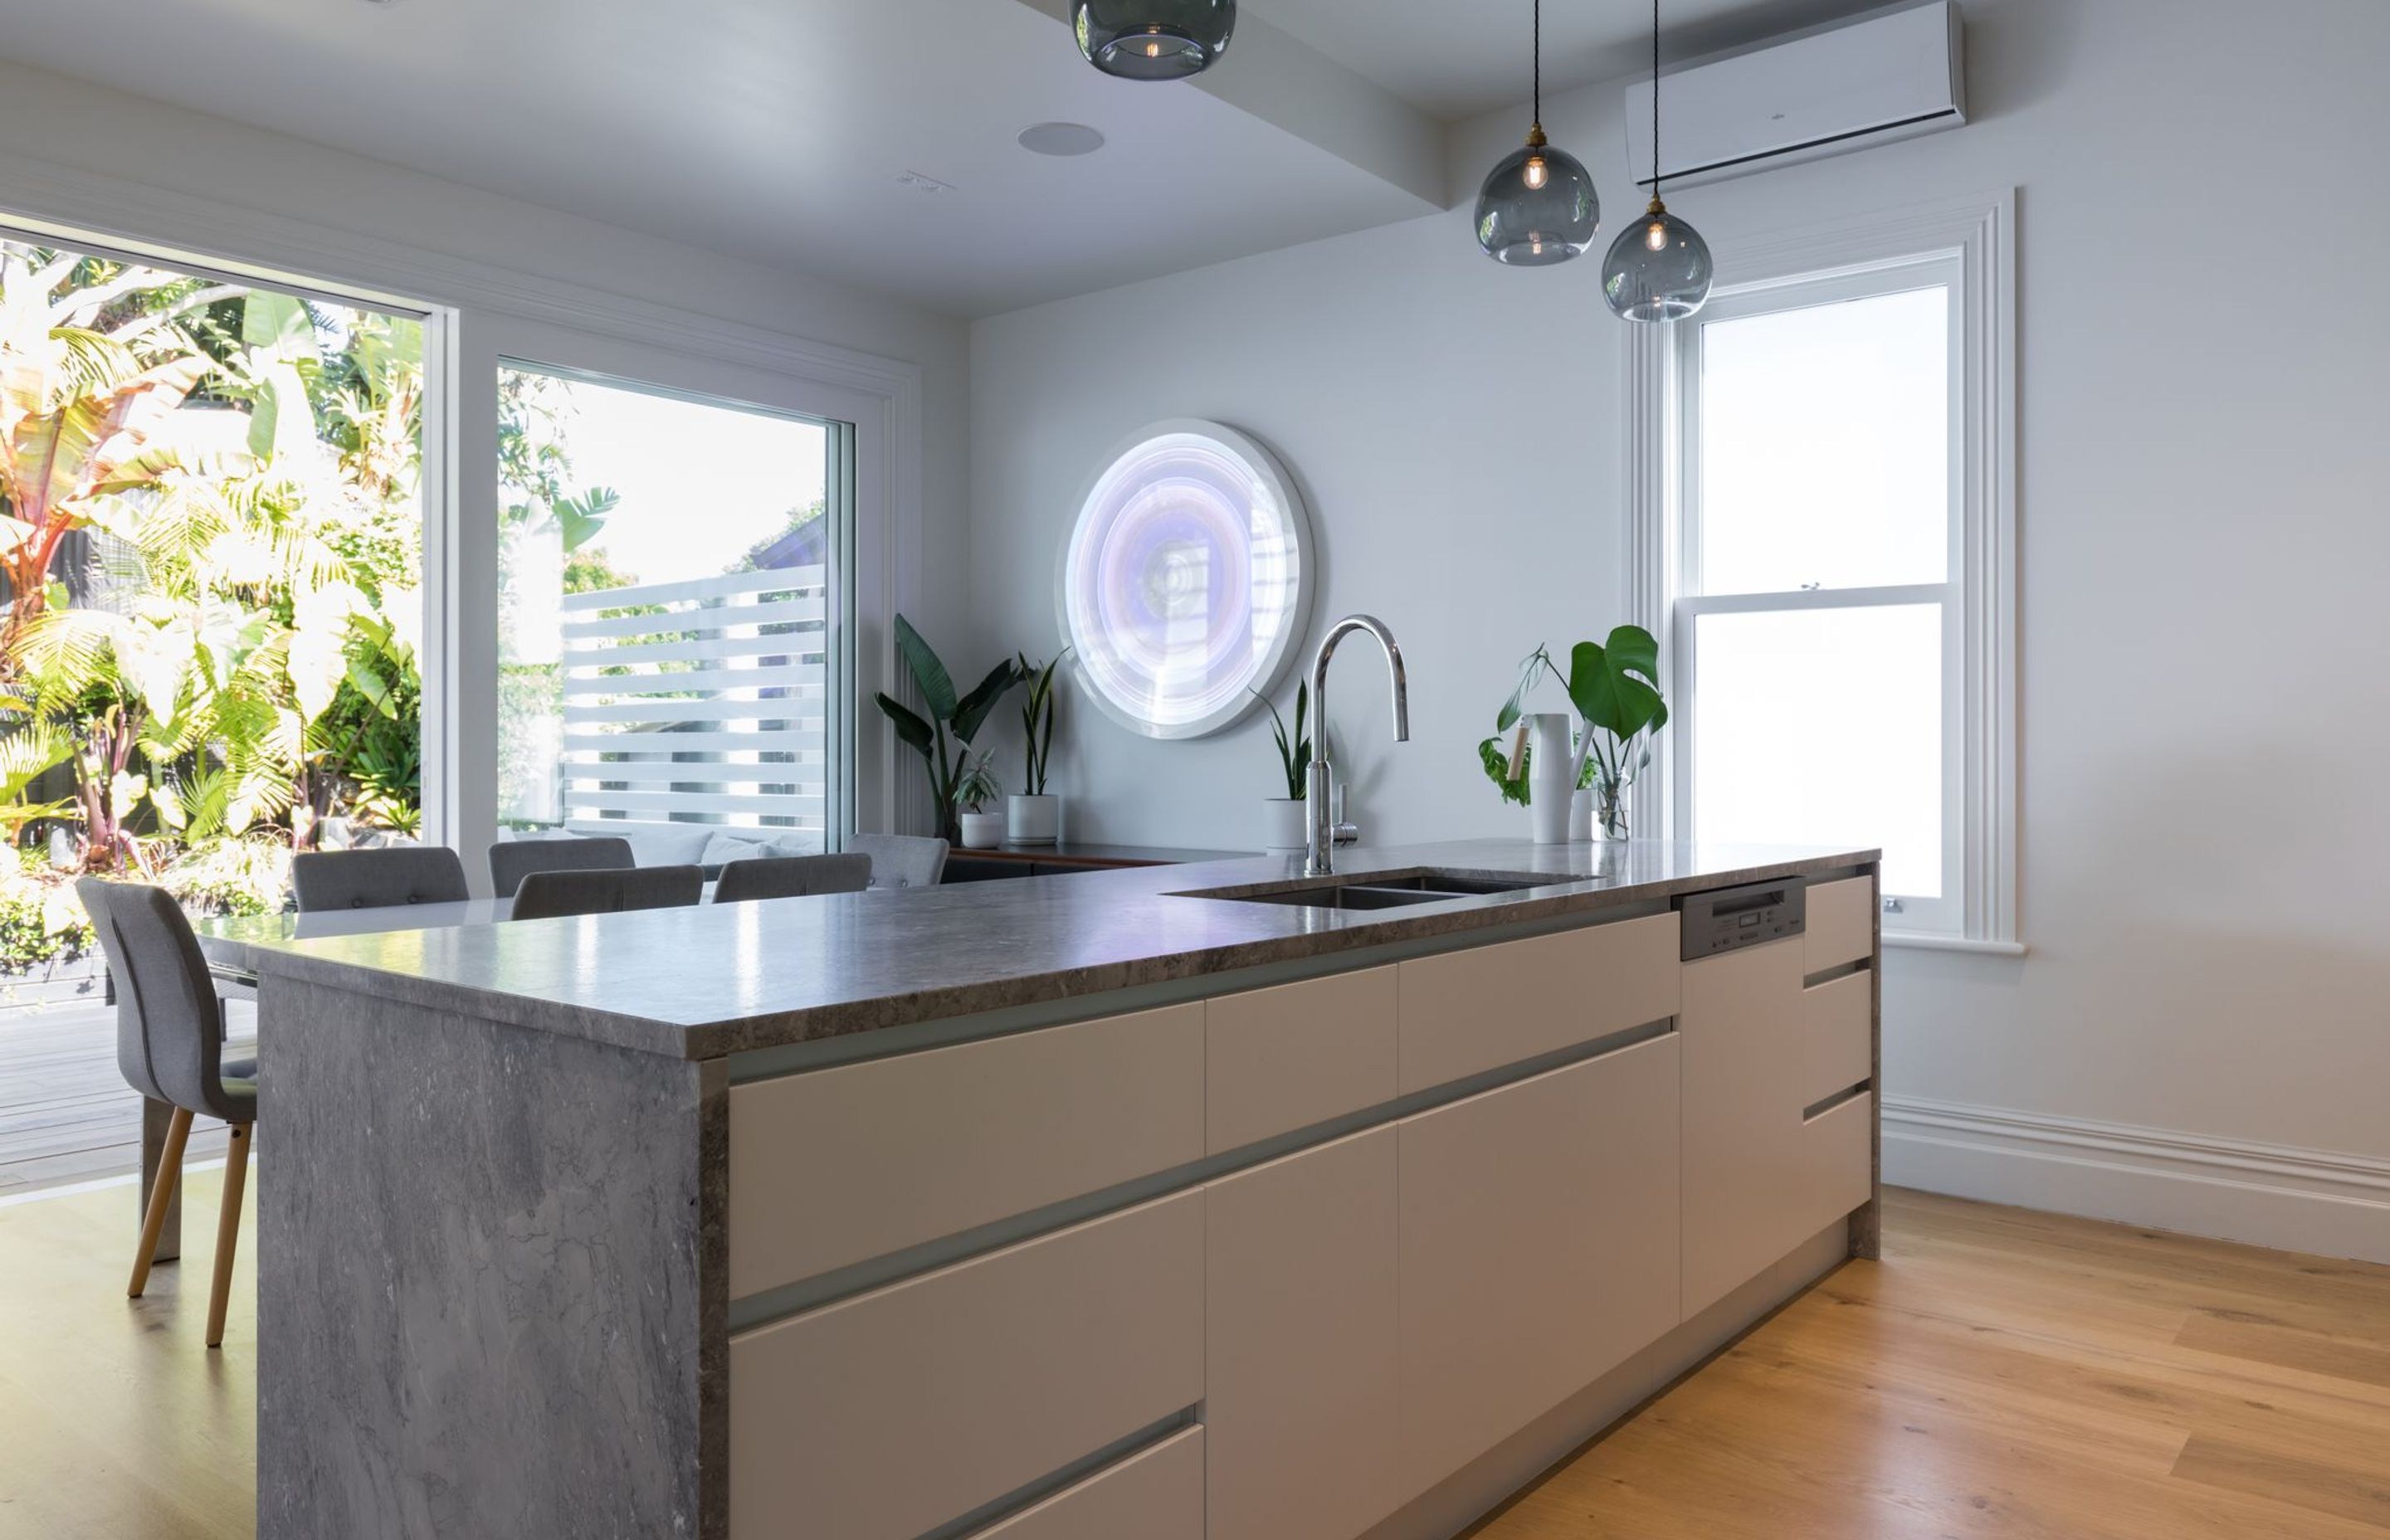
(1724, 919)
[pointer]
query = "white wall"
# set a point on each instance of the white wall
(81, 155)
(2206, 537)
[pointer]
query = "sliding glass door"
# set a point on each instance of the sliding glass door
(673, 581)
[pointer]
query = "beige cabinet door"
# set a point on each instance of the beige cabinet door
(1743, 1023)
(1538, 1248)
(1300, 1380)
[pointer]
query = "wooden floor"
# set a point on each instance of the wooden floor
(115, 1419)
(2011, 1374)
(66, 1115)
(1999, 1374)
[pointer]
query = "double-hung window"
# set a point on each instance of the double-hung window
(1839, 618)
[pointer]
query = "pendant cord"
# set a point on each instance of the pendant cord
(1539, 63)
(1655, 100)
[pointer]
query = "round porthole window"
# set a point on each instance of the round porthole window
(1187, 579)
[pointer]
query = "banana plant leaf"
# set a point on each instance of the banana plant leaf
(937, 685)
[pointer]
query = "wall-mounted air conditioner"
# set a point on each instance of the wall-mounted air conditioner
(1892, 75)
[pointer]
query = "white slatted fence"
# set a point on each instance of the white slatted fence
(715, 704)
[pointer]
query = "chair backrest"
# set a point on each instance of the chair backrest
(169, 1023)
(512, 860)
(377, 878)
(902, 860)
(791, 876)
(607, 891)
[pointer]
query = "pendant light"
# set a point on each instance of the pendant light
(1153, 39)
(1659, 268)
(1539, 206)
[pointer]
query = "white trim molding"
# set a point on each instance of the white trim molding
(1980, 233)
(2321, 1202)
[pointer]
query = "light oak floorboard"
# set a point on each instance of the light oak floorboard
(2005, 1373)
(2000, 1374)
(116, 1422)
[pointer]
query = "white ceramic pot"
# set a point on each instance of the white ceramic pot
(1032, 820)
(1283, 823)
(1549, 759)
(1581, 816)
(983, 830)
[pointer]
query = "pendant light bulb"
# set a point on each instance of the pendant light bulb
(1661, 272)
(1152, 39)
(1537, 206)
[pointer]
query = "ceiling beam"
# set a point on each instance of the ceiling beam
(1285, 83)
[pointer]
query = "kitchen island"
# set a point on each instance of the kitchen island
(1137, 1203)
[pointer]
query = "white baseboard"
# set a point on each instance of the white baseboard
(2315, 1200)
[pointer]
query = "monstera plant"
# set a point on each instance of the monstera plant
(942, 739)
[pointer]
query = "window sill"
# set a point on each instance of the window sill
(1920, 940)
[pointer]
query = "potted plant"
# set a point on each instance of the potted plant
(1282, 816)
(944, 738)
(1033, 817)
(1615, 686)
(975, 785)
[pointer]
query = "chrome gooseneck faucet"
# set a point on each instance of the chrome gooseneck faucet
(1318, 816)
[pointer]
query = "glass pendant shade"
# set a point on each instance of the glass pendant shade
(1153, 39)
(1537, 207)
(1658, 269)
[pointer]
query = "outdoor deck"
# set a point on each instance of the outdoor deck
(66, 1115)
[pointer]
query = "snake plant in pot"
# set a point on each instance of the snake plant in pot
(944, 737)
(1035, 817)
(1615, 687)
(1282, 816)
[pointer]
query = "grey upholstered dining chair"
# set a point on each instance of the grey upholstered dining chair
(607, 891)
(512, 860)
(170, 1047)
(791, 876)
(902, 860)
(377, 878)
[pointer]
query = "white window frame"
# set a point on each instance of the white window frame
(476, 311)
(1967, 243)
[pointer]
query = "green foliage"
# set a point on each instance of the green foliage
(265, 644)
(40, 921)
(1615, 688)
(231, 876)
(1293, 748)
(1498, 769)
(954, 721)
(1036, 719)
(975, 782)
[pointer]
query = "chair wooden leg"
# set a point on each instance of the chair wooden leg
(161, 1196)
(228, 1229)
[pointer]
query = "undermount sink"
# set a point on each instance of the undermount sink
(1391, 891)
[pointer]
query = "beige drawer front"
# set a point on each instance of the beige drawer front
(1463, 1012)
(890, 1414)
(1282, 1058)
(1842, 923)
(1837, 1162)
(1156, 1494)
(1838, 1028)
(836, 1166)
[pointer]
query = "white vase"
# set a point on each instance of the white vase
(1581, 816)
(1549, 760)
(1283, 823)
(983, 830)
(1032, 820)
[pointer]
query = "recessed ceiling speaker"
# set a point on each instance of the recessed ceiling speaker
(1060, 139)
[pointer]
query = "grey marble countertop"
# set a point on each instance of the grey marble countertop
(712, 980)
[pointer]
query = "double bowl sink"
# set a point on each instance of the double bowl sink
(1391, 891)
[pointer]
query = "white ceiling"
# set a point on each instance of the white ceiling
(776, 129)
